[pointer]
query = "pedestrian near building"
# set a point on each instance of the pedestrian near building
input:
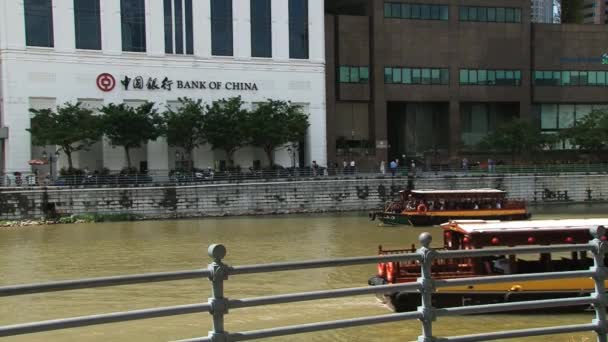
(353, 168)
(382, 168)
(393, 166)
(315, 168)
(491, 165)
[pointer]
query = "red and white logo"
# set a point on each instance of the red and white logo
(106, 82)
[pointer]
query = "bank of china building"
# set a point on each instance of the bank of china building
(131, 51)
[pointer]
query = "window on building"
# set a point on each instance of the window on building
(353, 74)
(298, 29)
(571, 78)
(490, 14)
(490, 77)
(87, 23)
(557, 117)
(38, 23)
(417, 76)
(221, 28)
(178, 27)
(396, 10)
(133, 22)
(261, 28)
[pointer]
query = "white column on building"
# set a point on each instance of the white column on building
(111, 34)
(316, 31)
(280, 29)
(242, 28)
(155, 28)
(63, 26)
(12, 25)
(201, 12)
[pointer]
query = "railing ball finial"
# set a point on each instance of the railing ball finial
(425, 239)
(217, 252)
(598, 232)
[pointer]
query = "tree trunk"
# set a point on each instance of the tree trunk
(270, 155)
(70, 164)
(190, 161)
(128, 154)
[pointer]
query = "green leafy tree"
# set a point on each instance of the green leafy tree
(275, 123)
(71, 127)
(224, 126)
(184, 127)
(590, 133)
(131, 127)
(571, 11)
(516, 137)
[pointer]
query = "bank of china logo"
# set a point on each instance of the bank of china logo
(605, 58)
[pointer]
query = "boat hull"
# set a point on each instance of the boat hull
(437, 218)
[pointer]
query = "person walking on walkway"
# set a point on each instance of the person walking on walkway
(382, 168)
(393, 166)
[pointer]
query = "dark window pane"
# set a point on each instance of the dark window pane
(435, 12)
(387, 10)
(388, 75)
(38, 23)
(415, 11)
(491, 77)
(221, 28)
(435, 76)
(298, 29)
(405, 11)
(472, 13)
(500, 15)
(482, 77)
(168, 14)
(179, 27)
(445, 12)
(416, 76)
(510, 15)
(407, 75)
(344, 74)
(518, 15)
(574, 80)
(482, 14)
(396, 75)
(445, 76)
(592, 78)
(582, 78)
(557, 78)
(396, 11)
(425, 12)
(601, 78)
(464, 76)
(566, 78)
(87, 22)
(491, 14)
(463, 13)
(261, 28)
(133, 22)
(363, 74)
(472, 76)
(426, 76)
(189, 28)
(354, 75)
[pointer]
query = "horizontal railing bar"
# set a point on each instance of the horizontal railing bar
(316, 295)
(521, 333)
(312, 327)
(514, 306)
(472, 253)
(83, 321)
(513, 277)
(302, 265)
(14, 290)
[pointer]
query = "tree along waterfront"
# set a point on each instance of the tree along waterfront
(80, 250)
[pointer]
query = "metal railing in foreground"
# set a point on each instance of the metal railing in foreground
(219, 305)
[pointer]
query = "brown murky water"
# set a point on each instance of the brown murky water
(92, 250)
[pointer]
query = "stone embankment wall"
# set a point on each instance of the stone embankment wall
(323, 194)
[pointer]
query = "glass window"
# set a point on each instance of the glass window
(38, 23)
(364, 74)
(500, 15)
(189, 27)
(133, 22)
(557, 77)
(510, 77)
(445, 12)
(547, 75)
(406, 11)
(592, 78)
(261, 29)
(354, 75)
(415, 11)
(510, 15)
(601, 78)
(472, 13)
(464, 76)
(396, 75)
(178, 19)
(388, 75)
(491, 14)
(566, 78)
(518, 15)
(179, 27)
(426, 76)
(407, 75)
(298, 29)
(387, 10)
(396, 11)
(566, 116)
(221, 28)
(548, 116)
(435, 12)
(538, 78)
(463, 13)
(344, 74)
(425, 12)
(416, 76)
(482, 77)
(482, 14)
(472, 76)
(435, 76)
(491, 77)
(517, 75)
(168, 16)
(500, 77)
(582, 78)
(87, 22)
(445, 76)
(574, 79)
(581, 111)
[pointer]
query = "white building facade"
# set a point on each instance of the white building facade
(131, 51)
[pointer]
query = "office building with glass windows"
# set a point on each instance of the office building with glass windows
(431, 78)
(131, 51)
(595, 11)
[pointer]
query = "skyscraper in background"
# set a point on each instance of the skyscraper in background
(542, 11)
(594, 12)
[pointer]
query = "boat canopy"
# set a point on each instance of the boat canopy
(452, 192)
(483, 226)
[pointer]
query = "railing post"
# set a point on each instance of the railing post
(219, 304)
(599, 252)
(427, 287)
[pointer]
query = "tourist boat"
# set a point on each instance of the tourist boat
(434, 207)
(476, 234)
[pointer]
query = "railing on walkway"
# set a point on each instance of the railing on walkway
(219, 305)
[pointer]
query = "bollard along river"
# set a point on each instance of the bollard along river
(62, 252)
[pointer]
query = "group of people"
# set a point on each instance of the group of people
(394, 166)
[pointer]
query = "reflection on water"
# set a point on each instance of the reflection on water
(91, 250)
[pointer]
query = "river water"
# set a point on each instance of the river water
(60, 252)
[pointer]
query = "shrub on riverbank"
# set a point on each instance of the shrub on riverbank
(92, 218)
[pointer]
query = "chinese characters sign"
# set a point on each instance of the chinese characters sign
(106, 82)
